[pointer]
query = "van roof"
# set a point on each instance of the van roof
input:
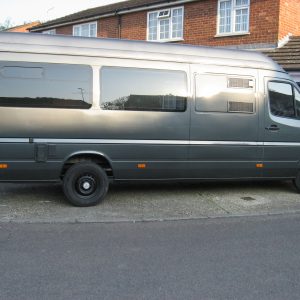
(113, 48)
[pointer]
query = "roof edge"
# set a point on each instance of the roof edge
(110, 14)
(128, 49)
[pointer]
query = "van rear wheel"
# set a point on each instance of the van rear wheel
(85, 184)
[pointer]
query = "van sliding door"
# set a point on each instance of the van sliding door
(145, 115)
(224, 125)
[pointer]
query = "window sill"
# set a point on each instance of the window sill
(167, 41)
(231, 34)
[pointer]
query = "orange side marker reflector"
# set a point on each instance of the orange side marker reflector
(3, 166)
(141, 166)
(259, 165)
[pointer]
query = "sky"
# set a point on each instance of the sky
(22, 11)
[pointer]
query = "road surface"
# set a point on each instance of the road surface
(222, 258)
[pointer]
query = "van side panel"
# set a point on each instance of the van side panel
(224, 124)
(130, 138)
(217, 135)
(158, 139)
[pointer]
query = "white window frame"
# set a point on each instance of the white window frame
(234, 8)
(170, 24)
(51, 31)
(80, 28)
(166, 14)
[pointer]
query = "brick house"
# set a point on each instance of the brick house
(23, 28)
(250, 24)
(241, 23)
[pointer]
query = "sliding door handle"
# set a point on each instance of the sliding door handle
(273, 128)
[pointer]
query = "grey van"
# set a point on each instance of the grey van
(91, 111)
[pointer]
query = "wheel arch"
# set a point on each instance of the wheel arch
(97, 157)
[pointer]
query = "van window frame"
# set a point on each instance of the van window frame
(186, 85)
(294, 86)
(53, 103)
(228, 76)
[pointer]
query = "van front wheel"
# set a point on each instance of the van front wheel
(85, 184)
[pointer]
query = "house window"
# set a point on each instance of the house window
(51, 31)
(233, 16)
(87, 30)
(165, 25)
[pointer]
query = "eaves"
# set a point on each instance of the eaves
(117, 12)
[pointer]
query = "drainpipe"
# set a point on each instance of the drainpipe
(119, 24)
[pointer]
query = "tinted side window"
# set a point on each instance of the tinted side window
(142, 89)
(45, 85)
(281, 99)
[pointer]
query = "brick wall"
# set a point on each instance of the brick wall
(67, 30)
(270, 20)
(289, 18)
(108, 27)
(23, 28)
(134, 26)
(200, 26)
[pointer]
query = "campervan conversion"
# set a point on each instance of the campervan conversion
(86, 112)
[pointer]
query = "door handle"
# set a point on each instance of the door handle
(273, 128)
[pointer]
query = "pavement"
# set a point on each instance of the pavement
(45, 203)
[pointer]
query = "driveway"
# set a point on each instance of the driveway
(43, 203)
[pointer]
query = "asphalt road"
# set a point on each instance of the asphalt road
(223, 258)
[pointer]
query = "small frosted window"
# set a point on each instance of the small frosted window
(22, 72)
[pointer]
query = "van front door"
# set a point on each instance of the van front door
(282, 129)
(224, 126)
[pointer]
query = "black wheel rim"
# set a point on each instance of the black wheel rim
(86, 185)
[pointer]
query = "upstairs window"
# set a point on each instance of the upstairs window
(233, 16)
(165, 25)
(87, 30)
(51, 31)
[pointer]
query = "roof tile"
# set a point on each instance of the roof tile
(103, 10)
(289, 55)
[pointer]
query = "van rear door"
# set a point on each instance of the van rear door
(16, 159)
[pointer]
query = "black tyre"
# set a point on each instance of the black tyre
(85, 184)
